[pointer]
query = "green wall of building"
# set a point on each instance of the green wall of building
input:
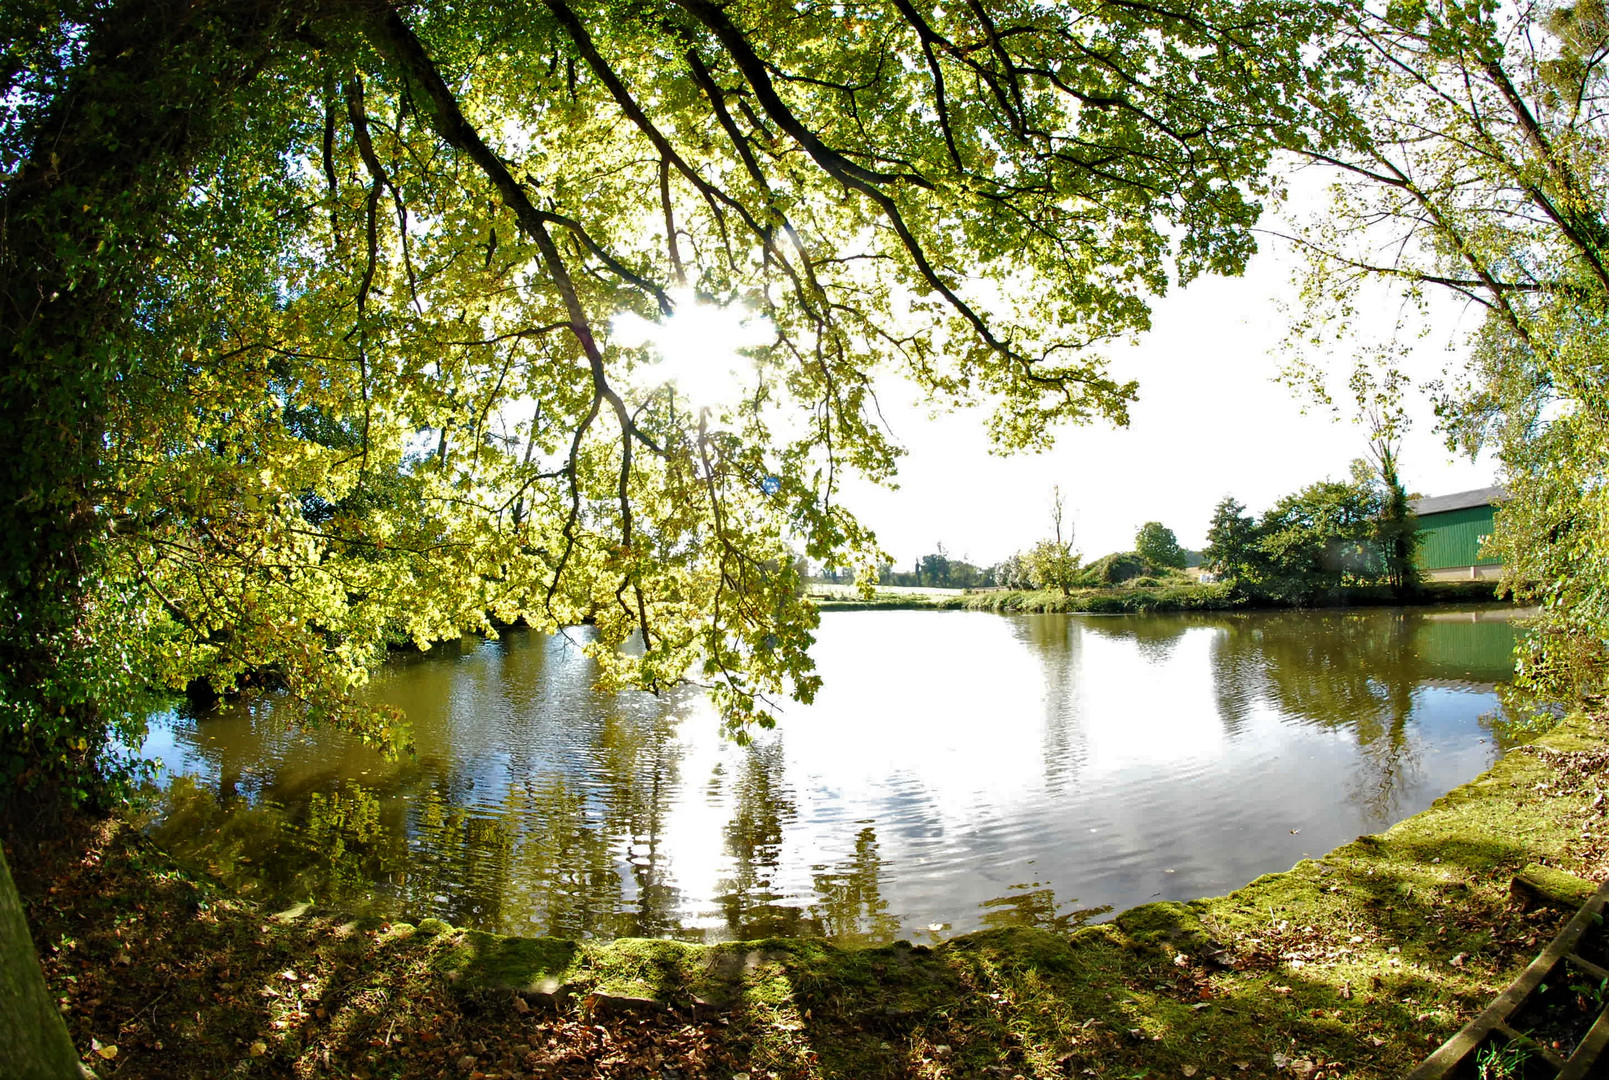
(1452, 538)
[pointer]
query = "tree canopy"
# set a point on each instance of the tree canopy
(1316, 541)
(311, 310)
(1158, 546)
(1477, 167)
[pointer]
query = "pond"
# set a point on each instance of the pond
(958, 770)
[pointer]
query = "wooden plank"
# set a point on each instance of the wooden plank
(1586, 966)
(1456, 1049)
(1583, 1062)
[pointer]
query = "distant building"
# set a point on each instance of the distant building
(1451, 528)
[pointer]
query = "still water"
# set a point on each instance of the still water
(958, 770)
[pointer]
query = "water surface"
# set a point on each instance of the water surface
(958, 770)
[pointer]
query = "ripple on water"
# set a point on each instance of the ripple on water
(957, 770)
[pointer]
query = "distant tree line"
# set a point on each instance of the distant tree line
(1050, 564)
(1328, 536)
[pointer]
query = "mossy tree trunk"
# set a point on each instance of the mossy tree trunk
(34, 1044)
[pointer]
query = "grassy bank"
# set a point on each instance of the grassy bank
(1167, 597)
(1352, 965)
(1112, 600)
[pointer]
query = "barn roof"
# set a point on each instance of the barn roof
(1460, 500)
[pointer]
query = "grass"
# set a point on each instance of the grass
(1502, 1062)
(1356, 964)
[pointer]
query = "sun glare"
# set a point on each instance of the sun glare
(700, 348)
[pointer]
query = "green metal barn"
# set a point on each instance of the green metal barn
(1452, 527)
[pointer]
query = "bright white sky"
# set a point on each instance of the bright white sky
(1211, 421)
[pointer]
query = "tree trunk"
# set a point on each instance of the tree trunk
(34, 1044)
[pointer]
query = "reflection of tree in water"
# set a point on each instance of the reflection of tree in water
(637, 767)
(1389, 766)
(241, 740)
(851, 907)
(1349, 672)
(1238, 675)
(543, 857)
(1058, 642)
(1154, 636)
(1034, 904)
(1357, 672)
(354, 844)
(564, 864)
(341, 847)
(1341, 670)
(546, 860)
(762, 805)
(543, 853)
(460, 855)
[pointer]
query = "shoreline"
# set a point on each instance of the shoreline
(1166, 599)
(1357, 964)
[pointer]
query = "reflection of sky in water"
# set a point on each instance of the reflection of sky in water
(952, 759)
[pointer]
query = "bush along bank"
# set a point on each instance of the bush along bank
(1356, 964)
(1123, 600)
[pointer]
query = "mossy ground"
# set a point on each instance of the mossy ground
(1353, 965)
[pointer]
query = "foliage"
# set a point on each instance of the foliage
(1051, 564)
(1327, 537)
(1471, 160)
(1166, 597)
(1116, 568)
(1377, 386)
(1013, 573)
(1316, 540)
(1231, 554)
(937, 570)
(1156, 544)
(1502, 1061)
(1396, 530)
(311, 312)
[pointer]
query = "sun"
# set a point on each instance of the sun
(700, 347)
